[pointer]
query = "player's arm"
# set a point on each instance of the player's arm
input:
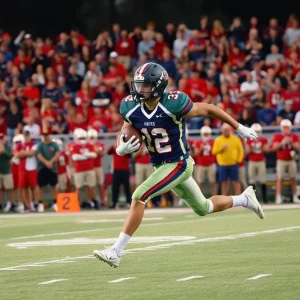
(76, 155)
(277, 145)
(90, 152)
(296, 145)
(205, 109)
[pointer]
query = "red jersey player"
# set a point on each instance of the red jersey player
(256, 149)
(100, 151)
(205, 160)
(83, 154)
(27, 177)
(285, 144)
(62, 164)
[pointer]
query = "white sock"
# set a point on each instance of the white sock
(240, 200)
(211, 206)
(121, 242)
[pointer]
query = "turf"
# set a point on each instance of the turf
(215, 247)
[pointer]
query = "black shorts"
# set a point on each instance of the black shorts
(47, 176)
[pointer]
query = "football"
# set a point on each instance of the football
(129, 132)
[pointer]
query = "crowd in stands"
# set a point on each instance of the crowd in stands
(250, 71)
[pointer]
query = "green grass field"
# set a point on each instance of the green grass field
(48, 256)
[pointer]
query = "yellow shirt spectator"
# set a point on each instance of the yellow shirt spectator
(228, 150)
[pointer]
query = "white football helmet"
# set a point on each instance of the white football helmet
(80, 135)
(19, 138)
(59, 143)
(285, 123)
(92, 134)
(257, 128)
(205, 132)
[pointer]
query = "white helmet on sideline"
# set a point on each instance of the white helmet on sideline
(257, 128)
(59, 143)
(285, 123)
(19, 138)
(92, 134)
(205, 132)
(81, 136)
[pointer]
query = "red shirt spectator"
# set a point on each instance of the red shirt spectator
(294, 95)
(21, 57)
(125, 46)
(100, 120)
(119, 162)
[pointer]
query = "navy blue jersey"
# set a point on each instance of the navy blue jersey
(163, 128)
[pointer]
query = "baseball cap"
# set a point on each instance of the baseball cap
(113, 54)
(26, 132)
(27, 36)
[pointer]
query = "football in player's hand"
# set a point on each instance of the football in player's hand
(129, 132)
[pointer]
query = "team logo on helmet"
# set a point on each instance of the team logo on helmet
(165, 75)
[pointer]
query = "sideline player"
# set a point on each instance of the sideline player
(160, 117)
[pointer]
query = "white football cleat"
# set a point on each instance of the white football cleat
(296, 199)
(40, 207)
(8, 206)
(278, 199)
(108, 255)
(253, 203)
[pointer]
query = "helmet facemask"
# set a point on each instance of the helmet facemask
(143, 91)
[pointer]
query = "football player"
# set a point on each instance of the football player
(285, 144)
(205, 160)
(160, 117)
(100, 151)
(83, 155)
(256, 156)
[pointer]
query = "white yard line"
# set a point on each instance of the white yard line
(151, 211)
(259, 276)
(121, 279)
(52, 281)
(189, 278)
(162, 246)
(118, 227)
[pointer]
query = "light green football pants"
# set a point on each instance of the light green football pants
(178, 178)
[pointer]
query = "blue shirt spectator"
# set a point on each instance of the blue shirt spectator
(267, 116)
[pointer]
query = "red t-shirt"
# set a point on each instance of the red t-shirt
(31, 92)
(125, 47)
(3, 124)
(73, 125)
(31, 111)
(197, 84)
(98, 122)
(119, 162)
(83, 165)
(26, 60)
(206, 158)
(256, 146)
(295, 96)
(87, 113)
(284, 153)
(25, 162)
(97, 161)
(62, 163)
(274, 98)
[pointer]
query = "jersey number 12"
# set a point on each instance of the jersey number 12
(158, 141)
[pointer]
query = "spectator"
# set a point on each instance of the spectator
(237, 32)
(47, 155)
(179, 44)
(73, 81)
(287, 113)
(60, 126)
(267, 116)
(78, 64)
(145, 44)
(32, 127)
(6, 179)
(121, 175)
(51, 92)
(170, 34)
(14, 119)
(125, 48)
(229, 153)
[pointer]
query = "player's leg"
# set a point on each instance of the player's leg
(262, 174)
(190, 192)
(292, 173)
(163, 179)
(90, 179)
(280, 169)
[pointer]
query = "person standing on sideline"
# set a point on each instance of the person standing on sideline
(47, 155)
(6, 179)
(229, 152)
(121, 176)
